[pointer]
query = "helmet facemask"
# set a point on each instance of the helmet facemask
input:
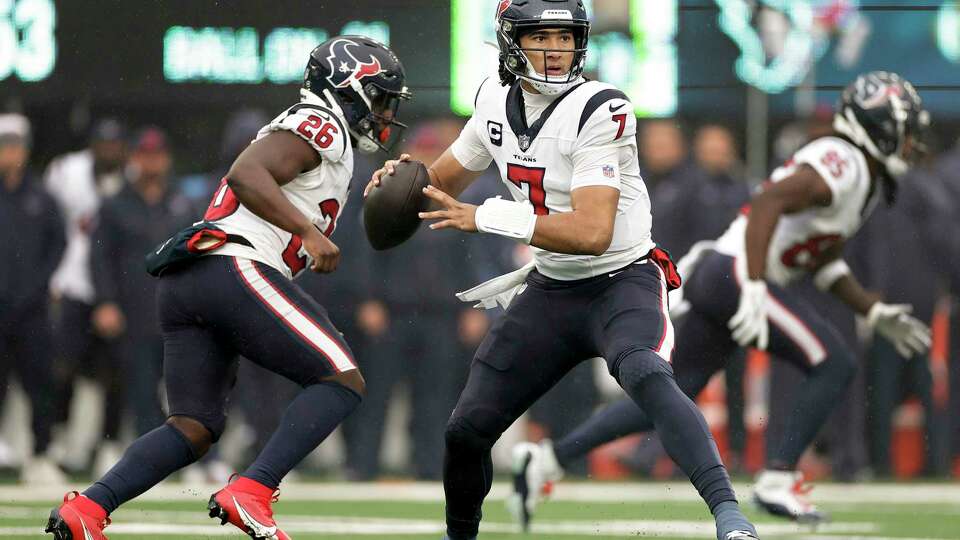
(515, 61)
(379, 129)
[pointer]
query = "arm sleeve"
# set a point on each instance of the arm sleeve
(601, 143)
(837, 165)
(469, 149)
(320, 127)
(105, 247)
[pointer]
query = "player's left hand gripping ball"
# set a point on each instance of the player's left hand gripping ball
(455, 214)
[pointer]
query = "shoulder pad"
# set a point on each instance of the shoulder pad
(596, 101)
(320, 126)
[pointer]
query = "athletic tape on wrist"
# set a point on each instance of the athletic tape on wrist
(512, 219)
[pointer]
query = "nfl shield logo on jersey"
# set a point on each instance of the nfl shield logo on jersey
(524, 141)
(608, 171)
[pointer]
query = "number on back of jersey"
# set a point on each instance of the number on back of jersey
(315, 124)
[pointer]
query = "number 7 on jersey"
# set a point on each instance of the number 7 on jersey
(533, 177)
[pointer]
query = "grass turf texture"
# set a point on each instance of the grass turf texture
(582, 511)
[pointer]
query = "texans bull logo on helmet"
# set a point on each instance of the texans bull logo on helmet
(504, 4)
(345, 67)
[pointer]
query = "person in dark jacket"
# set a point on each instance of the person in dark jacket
(947, 168)
(31, 244)
(143, 214)
(916, 274)
(79, 182)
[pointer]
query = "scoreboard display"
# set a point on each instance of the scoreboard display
(687, 57)
(196, 51)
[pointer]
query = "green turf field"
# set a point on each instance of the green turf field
(579, 512)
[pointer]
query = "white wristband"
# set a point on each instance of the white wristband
(512, 219)
(829, 273)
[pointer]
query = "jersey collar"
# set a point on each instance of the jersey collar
(517, 117)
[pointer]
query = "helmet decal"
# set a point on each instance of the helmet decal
(345, 67)
(504, 5)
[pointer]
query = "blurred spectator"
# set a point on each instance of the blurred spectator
(409, 330)
(240, 129)
(906, 262)
(31, 243)
(947, 168)
(78, 181)
(143, 214)
(712, 205)
(691, 201)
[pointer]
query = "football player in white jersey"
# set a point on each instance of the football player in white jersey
(736, 290)
(566, 149)
(225, 290)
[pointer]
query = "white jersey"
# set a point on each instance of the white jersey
(319, 193)
(585, 137)
(71, 182)
(801, 238)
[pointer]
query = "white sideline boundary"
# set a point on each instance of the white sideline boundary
(564, 491)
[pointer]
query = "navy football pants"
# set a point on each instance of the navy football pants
(550, 327)
(219, 307)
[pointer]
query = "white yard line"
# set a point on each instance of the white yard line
(564, 491)
(376, 526)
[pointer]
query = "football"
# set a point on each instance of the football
(390, 210)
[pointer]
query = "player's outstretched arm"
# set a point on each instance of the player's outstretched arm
(801, 190)
(256, 177)
(909, 335)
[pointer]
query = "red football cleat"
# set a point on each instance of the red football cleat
(78, 518)
(245, 503)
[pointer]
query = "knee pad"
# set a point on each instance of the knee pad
(635, 365)
(462, 435)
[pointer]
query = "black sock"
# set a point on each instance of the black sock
(147, 461)
(619, 419)
(467, 477)
(311, 417)
(819, 394)
(681, 427)
(729, 518)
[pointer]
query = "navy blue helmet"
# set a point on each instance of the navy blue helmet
(367, 81)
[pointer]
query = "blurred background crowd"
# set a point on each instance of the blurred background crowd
(92, 177)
